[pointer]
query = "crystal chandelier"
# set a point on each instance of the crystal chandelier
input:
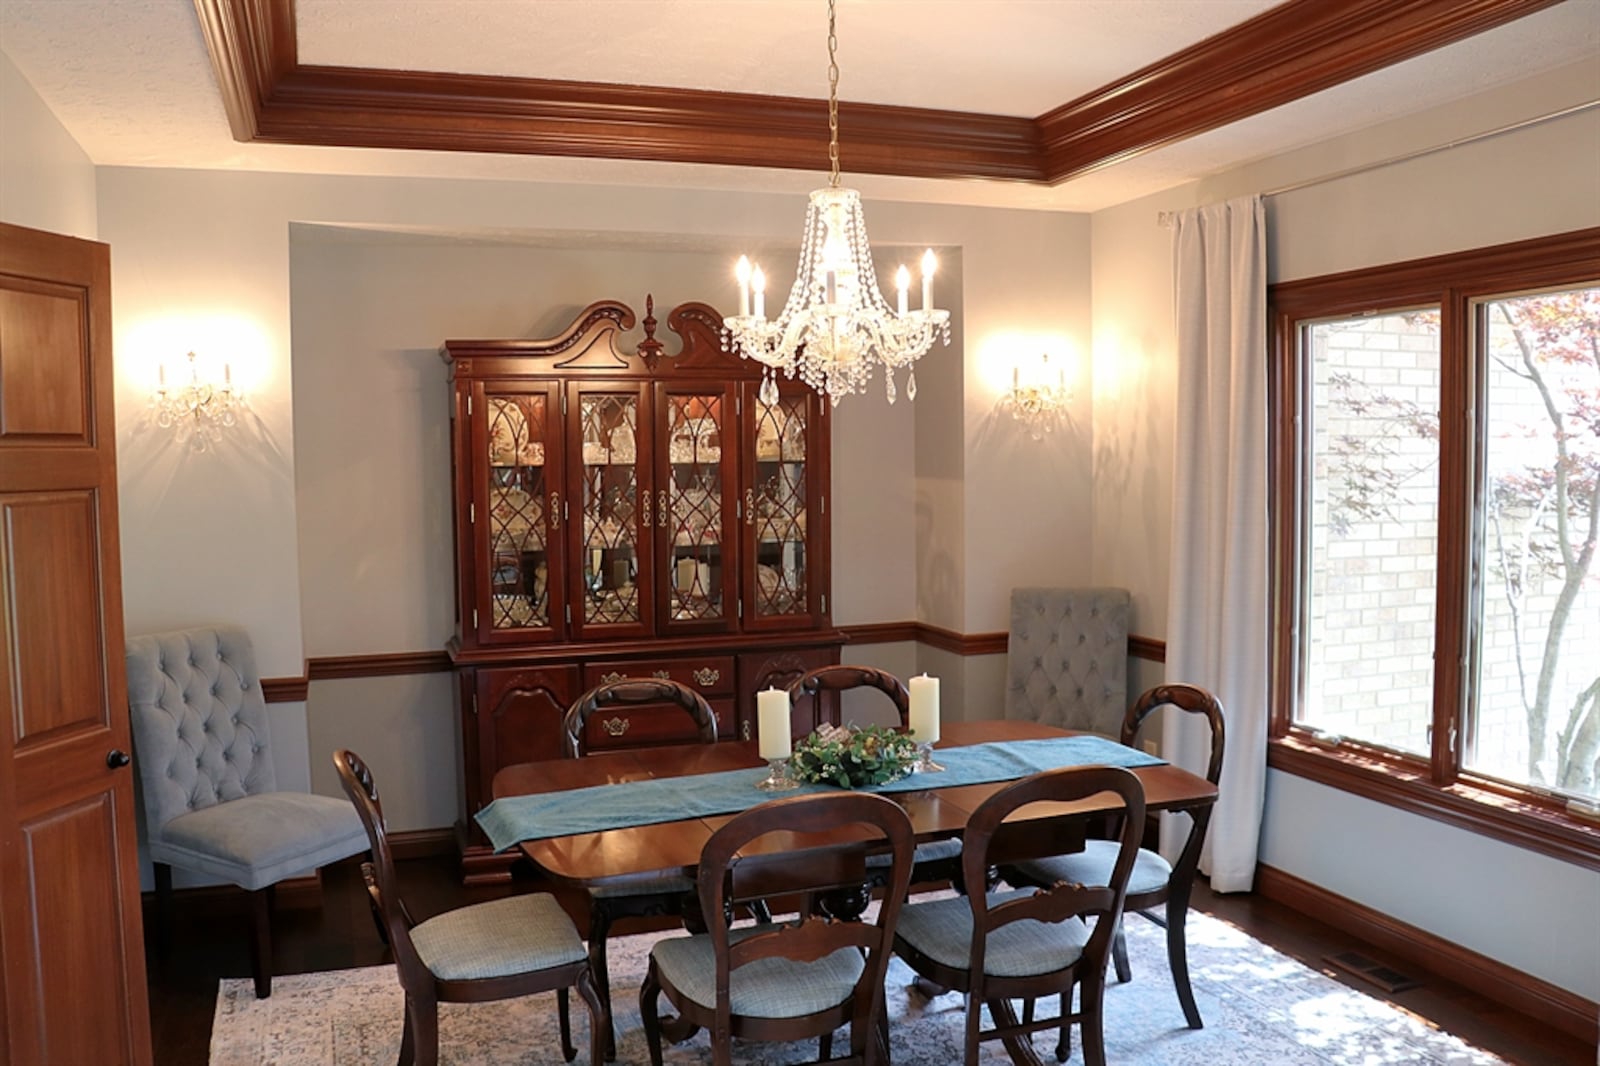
(199, 410)
(836, 326)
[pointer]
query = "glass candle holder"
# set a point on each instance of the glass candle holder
(777, 779)
(925, 763)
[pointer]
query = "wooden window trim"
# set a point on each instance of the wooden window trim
(1434, 787)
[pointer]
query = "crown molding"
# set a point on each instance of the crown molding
(1290, 51)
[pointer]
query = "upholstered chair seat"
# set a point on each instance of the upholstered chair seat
(499, 939)
(653, 886)
(1092, 866)
(767, 988)
(941, 929)
(206, 778)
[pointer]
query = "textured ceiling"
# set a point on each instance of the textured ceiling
(132, 81)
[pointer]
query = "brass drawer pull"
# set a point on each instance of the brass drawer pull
(612, 678)
(706, 676)
(616, 726)
(662, 675)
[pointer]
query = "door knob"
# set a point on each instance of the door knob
(117, 758)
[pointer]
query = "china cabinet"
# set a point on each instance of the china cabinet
(627, 514)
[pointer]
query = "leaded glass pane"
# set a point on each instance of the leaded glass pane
(610, 507)
(778, 509)
(517, 530)
(692, 507)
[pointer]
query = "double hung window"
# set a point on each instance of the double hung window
(1436, 511)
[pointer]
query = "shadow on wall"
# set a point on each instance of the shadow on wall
(150, 457)
(938, 580)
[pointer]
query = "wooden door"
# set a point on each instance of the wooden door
(72, 984)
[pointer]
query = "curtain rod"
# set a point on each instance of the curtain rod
(1165, 218)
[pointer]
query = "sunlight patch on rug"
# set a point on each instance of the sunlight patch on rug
(1260, 1007)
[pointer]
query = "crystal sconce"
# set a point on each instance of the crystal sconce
(1038, 397)
(198, 410)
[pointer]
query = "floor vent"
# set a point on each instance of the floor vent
(1370, 970)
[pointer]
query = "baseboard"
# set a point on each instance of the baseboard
(1551, 1004)
(296, 893)
(423, 843)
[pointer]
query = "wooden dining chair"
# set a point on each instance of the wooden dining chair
(934, 862)
(1155, 882)
(485, 951)
(792, 980)
(655, 896)
(1027, 943)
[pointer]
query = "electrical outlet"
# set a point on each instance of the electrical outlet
(1152, 748)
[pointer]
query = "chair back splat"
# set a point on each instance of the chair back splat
(825, 679)
(631, 692)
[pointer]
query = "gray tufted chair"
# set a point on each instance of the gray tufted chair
(205, 775)
(1067, 658)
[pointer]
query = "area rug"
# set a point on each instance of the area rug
(1261, 1008)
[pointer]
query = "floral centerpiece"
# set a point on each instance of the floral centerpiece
(853, 756)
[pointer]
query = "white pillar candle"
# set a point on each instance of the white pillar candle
(925, 709)
(772, 724)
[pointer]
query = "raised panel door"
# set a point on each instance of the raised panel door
(518, 719)
(72, 980)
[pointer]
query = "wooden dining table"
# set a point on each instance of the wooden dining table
(638, 853)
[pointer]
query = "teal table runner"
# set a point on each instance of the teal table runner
(510, 821)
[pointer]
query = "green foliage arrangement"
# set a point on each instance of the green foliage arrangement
(852, 756)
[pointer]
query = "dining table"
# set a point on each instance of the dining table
(937, 807)
(600, 857)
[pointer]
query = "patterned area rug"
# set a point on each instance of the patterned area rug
(1261, 1008)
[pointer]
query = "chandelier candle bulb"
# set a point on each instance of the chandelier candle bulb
(902, 283)
(742, 272)
(758, 282)
(772, 724)
(925, 709)
(929, 266)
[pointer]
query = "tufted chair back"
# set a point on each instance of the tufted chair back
(1067, 658)
(199, 721)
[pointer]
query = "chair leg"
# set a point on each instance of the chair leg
(423, 1012)
(1119, 957)
(825, 1047)
(564, 1021)
(649, 993)
(261, 939)
(599, 927)
(1091, 1006)
(1178, 959)
(599, 1018)
(163, 937)
(1064, 1035)
(408, 1038)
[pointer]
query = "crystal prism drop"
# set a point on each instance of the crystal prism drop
(911, 386)
(888, 385)
(769, 390)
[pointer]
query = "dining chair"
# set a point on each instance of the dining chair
(207, 782)
(1027, 943)
(937, 861)
(1067, 657)
(1154, 881)
(797, 979)
(655, 896)
(504, 949)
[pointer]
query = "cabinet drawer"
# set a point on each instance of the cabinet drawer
(709, 675)
(645, 724)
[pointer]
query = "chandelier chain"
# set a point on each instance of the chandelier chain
(833, 99)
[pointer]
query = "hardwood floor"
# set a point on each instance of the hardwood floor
(210, 941)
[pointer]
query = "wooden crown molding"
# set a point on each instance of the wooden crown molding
(1288, 52)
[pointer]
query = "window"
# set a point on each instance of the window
(1436, 512)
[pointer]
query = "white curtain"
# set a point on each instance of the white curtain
(1217, 627)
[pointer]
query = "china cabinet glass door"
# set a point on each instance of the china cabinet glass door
(778, 508)
(521, 526)
(694, 504)
(613, 512)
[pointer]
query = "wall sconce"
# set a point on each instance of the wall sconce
(1037, 398)
(199, 410)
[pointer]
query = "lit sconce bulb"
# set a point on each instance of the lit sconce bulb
(930, 266)
(758, 283)
(902, 284)
(742, 272)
